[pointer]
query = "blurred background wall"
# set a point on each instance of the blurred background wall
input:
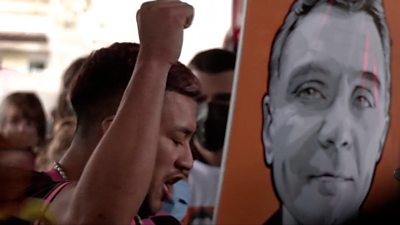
(39, 38)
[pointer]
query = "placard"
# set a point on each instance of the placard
(315, 132)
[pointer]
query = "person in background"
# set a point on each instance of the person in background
(63, 123)
(231, 40)
(136, 113)
(63, 133)
(63, 107)
(16, 175)
(215, 70)
(23, 123)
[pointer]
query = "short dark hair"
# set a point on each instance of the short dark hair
(31, 108)
(214, 61)
(101, 82)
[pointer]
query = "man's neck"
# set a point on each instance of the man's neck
(74, 160)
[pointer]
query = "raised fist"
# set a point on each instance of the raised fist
(161, 24)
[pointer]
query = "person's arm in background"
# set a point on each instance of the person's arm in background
(116, 179)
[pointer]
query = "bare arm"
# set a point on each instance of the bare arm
(116, 179)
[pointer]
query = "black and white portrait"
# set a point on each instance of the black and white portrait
(326, 111)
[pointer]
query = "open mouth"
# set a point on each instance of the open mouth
(168, 187)
(167, 192)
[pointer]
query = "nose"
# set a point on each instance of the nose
(21, 126)
(336, 128)
(185, 159)
(24, 126)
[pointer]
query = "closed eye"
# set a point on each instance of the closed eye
(177, 143)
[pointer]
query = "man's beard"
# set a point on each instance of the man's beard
(145, 210)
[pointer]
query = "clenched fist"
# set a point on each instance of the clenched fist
(160, 25)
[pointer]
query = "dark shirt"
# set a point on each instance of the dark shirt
(40, 186)
(387, 214)
(275, 219)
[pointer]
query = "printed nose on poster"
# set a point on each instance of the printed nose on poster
(335, 129)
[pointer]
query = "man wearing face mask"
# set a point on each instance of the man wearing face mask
(215, 70)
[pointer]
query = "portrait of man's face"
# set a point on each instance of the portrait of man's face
(325, 119)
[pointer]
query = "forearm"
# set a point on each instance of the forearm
(121, 167)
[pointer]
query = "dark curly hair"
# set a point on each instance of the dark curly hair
(101, 82)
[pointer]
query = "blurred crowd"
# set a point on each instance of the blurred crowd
(32, 139)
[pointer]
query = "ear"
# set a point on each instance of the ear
(106, 123)
(383, 138)
(267, 120)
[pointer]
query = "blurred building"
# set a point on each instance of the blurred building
(39, 38)
(24, 43)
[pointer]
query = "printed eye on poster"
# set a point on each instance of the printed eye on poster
(315, 133)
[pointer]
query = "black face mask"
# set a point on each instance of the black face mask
(211, 125)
